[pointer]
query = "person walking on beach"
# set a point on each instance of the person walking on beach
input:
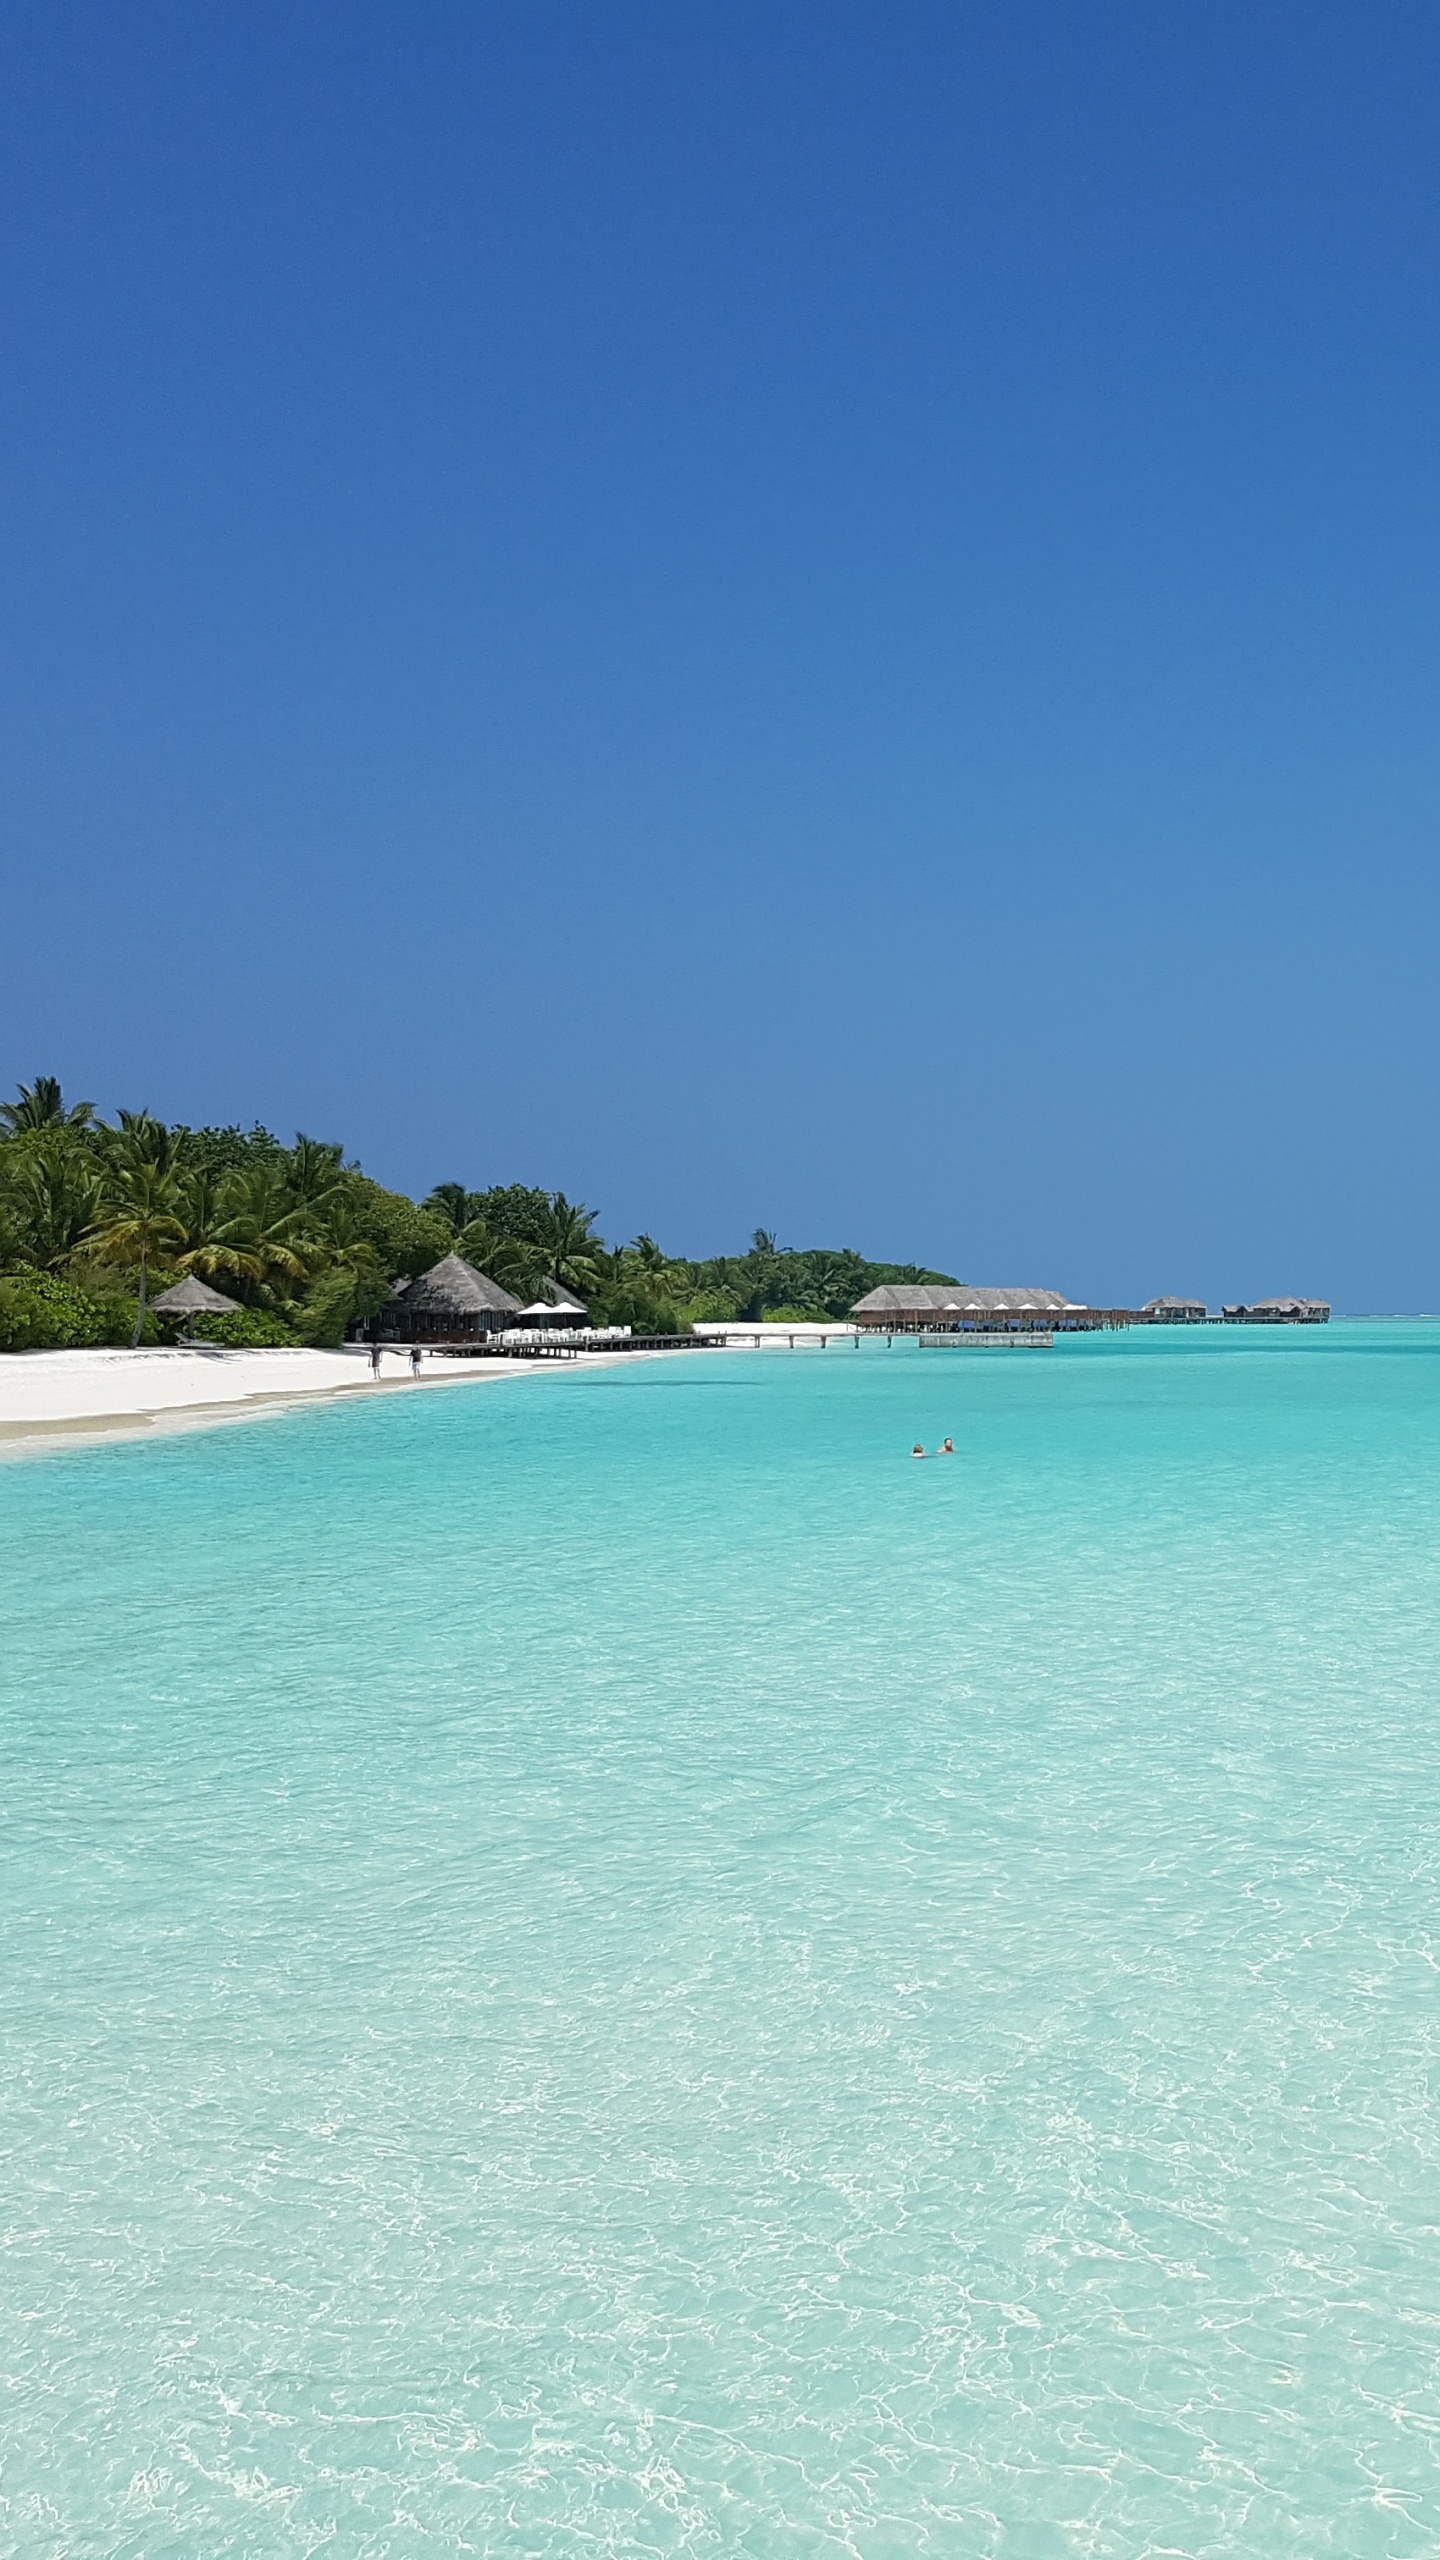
(375, 1360)
(414, 1359)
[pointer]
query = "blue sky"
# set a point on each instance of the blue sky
(817, 616)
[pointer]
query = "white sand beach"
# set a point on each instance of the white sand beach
(54, 1395)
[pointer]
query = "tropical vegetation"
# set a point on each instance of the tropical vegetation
(97, 1220)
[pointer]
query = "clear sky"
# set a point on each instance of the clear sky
(817, 616)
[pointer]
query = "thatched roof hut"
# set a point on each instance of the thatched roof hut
(190, 1297)
(452, 1297)
(1175, 1310)
(1280, 1311)
(895, 1304)
(906, 1307)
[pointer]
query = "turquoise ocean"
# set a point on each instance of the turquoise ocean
(603, 1964)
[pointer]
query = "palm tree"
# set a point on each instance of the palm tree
(450, 1201)
(262, 1236)
(641, 1264)
(201, 1211)
(831, 1285)
(55, 1195)
(140, 1221)
(757, 1275)
(142, 1139)
(349, 1276)
(315, 1172)
(507, 1260)
(567, 1246)
(41, 1105)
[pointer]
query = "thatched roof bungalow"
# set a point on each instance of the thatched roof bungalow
(450, 1301)
(1280, 1311)
(1174, 1311)
(951, 1306)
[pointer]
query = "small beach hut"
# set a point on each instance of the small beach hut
(190, 1297)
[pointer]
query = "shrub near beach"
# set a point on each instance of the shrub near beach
(40, 1313)
(97, 1220)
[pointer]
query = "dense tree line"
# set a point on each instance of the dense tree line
(96, 1220)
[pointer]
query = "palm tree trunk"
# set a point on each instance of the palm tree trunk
(140, 1310)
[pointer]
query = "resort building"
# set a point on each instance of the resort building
(952, 1307)
(453, 1302)
(1174, 1311)
(1280, 1311)
(447, 1303)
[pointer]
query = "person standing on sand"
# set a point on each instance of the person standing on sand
(414, 1359)
(375, 1360)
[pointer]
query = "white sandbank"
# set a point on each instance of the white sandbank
(69, 1395)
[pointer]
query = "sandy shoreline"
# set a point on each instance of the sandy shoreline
(54, 1399)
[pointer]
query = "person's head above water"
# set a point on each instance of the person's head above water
(917, 1451)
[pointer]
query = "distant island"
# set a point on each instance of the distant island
(97, 1220)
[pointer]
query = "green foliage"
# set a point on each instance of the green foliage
(824, 1285)
(314, 1172)
(139, 1222)
(570, 1251)
(311, 1246)
(707, 1306)
(508, 1260)
(347, 1293)
(41, 1105)
(40, 1313)
(248, 1329)
(510, 1209)
(449, 1200)
(52, 1199)
(645, 1310)
(111, 1289)
(406, 1237)
(221, 1151)
(326, 1310)
(262, 1238)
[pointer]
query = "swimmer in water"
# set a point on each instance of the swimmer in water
(917, 1451)
(946, 1449)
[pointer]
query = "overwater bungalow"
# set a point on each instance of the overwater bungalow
(1174, 1311)
(946, 1307)
(1279, 1311)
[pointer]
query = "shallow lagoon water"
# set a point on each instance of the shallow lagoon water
(605, 1965)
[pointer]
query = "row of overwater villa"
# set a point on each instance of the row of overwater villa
(456, 1305)
(939, 1308)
